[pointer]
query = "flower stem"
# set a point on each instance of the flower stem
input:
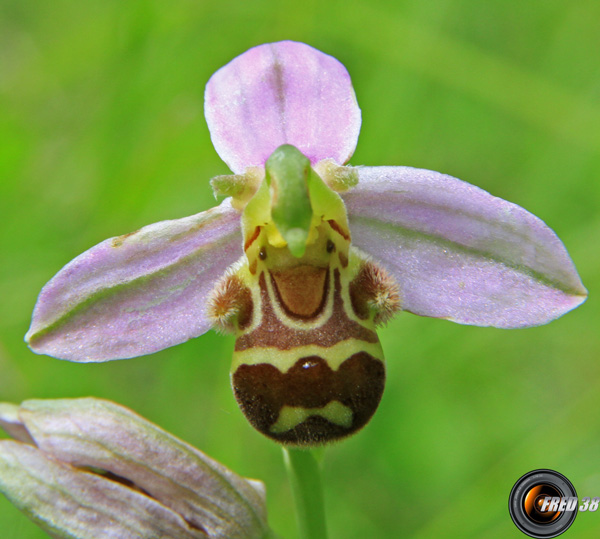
(305, 478)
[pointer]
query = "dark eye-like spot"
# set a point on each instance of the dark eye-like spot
(330, 246)
(262, 254)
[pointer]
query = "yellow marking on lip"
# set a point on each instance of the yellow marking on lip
(291, 416)
(285, 359)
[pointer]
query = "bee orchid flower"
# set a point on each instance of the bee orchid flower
(91, 468)
(305, 257)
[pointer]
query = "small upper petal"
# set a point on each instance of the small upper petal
(282, 93)
(460, 253)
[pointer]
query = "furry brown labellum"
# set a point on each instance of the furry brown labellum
(308, 366)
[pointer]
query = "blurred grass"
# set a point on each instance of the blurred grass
(102, 131)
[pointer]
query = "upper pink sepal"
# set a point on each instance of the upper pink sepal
(138, 293)
(458, 252)
(281, 93)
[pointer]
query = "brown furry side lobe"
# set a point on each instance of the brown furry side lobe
(230, 305)
(373, 290)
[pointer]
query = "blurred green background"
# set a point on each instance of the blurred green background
(102, 131)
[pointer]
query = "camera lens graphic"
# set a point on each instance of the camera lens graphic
(534, 503)
(531, 511)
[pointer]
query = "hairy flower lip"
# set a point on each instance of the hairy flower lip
(113, 454)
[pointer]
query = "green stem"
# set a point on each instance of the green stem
(305, 478)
